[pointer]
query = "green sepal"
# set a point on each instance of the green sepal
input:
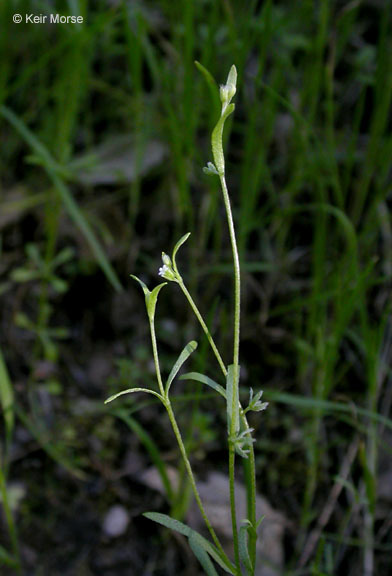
(204, 380)
(183, 357)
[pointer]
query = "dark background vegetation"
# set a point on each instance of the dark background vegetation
(104, 130)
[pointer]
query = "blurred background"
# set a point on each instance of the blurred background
(105, 127)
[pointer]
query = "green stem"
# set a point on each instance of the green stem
(203, 325)
(181, 445)
(236, 352)
(237, 276)
(156, 357)
(251, 497)
(188, 467)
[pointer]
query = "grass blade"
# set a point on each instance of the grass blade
(75, 213)
(6, 403)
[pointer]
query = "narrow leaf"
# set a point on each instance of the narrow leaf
(243, 549)
(204, 380)
(185, 530)
(176, 248)
(151, 301)
(233, 414)
(130, 391)
(202, 556)
(216, 140)
(151, 297)
(168, 522)
(212, 85)
(183, 357)
(142, 284)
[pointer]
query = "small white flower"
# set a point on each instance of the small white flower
(167, 273)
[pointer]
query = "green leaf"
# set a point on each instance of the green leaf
(216, 140)
(233, 411)
(183, 357)
(204, 380)
(168, 522)
(131, 391)
(152, 300)
(151, 297)
(243, 549)
(202, 556)
(185, 530)
(181, 241)
(142, 284)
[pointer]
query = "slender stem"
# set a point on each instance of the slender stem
(251, 499)
(188, 467)
(237, 277)
(181, 445)
(236, 352)
(156, 357)
(203, 325)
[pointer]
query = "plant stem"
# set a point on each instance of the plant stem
(251, 496)
(236, 351)
(156, 357)
(237, 276)
(203, 325)
(188, 467)
(181, 445)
